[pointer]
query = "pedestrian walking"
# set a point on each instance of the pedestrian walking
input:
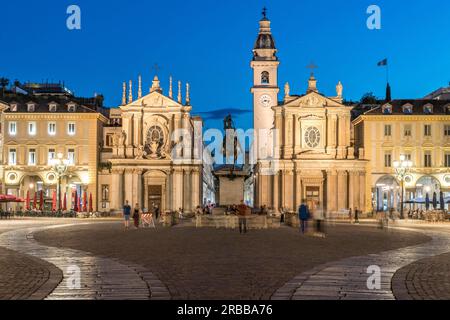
(356, 216)
(303, 216)
(126, 214)
(156, 211)
(136, 215)
(242, 212)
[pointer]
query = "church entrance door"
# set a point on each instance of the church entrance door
(154, 196)
(312, 197)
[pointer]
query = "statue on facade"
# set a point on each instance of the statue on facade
(339, 89)
(140, 153)
(287, 89)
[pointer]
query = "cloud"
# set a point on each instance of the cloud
(219, 114)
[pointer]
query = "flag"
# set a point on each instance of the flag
(382, 63)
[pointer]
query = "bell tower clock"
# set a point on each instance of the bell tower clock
(265, 87)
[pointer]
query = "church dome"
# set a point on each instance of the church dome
(265, 41)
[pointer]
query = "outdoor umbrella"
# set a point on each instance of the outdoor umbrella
(28, 200)
(41, 201)
(35, 201)
(85, 201)
(434, 200)
(441, 200)
(75, 206)
(427, 202)
(54, 200)
(65, 202)
(90, 202)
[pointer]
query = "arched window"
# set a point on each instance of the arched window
(265, 77)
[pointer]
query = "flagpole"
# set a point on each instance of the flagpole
(387, 72)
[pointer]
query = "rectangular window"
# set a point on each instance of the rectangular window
(12, 159)
(427, 130)
(105, 192)
(407, 156)
(407, 130)
(388, 160)
(32, 128)
(71, 128)
(109, 140)
(51, 155)
(427, 160)
(12, 128)
(52, 128)
(447, 160)
(447, 130)
(32, 157)
(387, 130)
(71, 156)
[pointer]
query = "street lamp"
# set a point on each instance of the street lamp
(60, 168)
(402, 168)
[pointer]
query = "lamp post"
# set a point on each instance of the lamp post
(60, 168)
(402, 168)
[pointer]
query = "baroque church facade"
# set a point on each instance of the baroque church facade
(309, 154)
(147, 167)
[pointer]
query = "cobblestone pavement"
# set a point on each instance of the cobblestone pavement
(210, 263)
(23, 277)
(426, 279)
(100, 278)
(346, 279)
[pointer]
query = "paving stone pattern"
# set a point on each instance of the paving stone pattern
(346, 279)
(100, 278)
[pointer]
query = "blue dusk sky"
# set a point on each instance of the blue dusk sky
(209, 43)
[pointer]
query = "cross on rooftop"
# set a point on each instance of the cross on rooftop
(312, 66)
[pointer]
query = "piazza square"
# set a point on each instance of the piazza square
(306, 194)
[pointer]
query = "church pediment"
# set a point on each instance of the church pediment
(313, 100)
(154, 99)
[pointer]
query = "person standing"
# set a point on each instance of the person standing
(242, 212)
(126, 214)
(156, 211)
(136, 213)
(303, 215)
(356, 216)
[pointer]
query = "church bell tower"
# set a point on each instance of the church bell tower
(265, 87)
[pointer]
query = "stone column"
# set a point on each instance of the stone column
(276, 191)
(116, 189)
(342, 190)
(297, 134)
(195, 182)
(288, 188)
(362, 192)
(187, 190)
(298, 189)
(137, 187)
(128, 186)
(332, 191)
(177, 188)
(288, 135)
(137, 130)
(332, 127)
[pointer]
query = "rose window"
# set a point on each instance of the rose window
(312, 137)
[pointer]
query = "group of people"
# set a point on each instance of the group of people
(306, 212)
(135, 214)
